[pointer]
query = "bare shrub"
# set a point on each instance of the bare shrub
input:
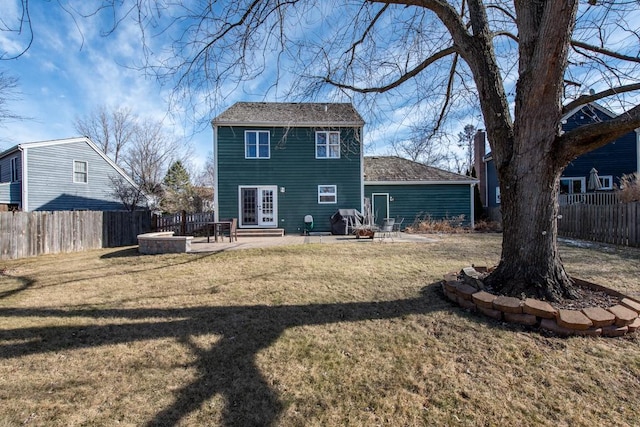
(426, 224)
(629, 190)
(485, 226)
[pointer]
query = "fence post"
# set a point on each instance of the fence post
(183, 223)
(154, 222)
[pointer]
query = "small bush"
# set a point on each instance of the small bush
(629, 189)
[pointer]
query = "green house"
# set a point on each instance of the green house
(276, 163)
(401, 188)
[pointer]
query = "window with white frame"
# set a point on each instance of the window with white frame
(327, 145)
(15, 173)
(327, 194)
(572, 185)
(256, 144)
(606, 182)
(80, 171)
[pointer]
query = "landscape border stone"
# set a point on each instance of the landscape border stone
(615, 321)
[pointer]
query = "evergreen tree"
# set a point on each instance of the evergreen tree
(178, 190)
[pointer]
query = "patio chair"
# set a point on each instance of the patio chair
(397, 226)
(386, 229)
(229, 225)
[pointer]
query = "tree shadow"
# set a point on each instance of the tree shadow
(227, 368)
(25, 283)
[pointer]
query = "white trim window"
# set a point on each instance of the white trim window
(80, 171)
(606, 182)
(327, 145)
(257, 144)
(572, 185)
(15, 173)
(327, 194)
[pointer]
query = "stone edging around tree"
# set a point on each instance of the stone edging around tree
(614, 321)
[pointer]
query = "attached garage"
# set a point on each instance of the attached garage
(401, 188)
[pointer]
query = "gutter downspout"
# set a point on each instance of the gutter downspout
(24, 202)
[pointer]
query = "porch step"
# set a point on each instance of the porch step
(260, 232)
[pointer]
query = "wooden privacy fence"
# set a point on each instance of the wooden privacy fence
(618, 223)
(182, 223)
(24, 234)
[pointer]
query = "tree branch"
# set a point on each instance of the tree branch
(603, 51)
(594, 135)
(585, 99)
(410, 74)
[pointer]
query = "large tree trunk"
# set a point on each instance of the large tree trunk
(530, 264)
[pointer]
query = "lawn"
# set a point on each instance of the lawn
(311, 335)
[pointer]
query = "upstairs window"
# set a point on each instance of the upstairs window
(327, 145)
(15, 175)
(80, 172)
(327, 194)
(256, 144)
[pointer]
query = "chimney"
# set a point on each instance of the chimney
(479, 142)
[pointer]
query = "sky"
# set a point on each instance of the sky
(71, 69)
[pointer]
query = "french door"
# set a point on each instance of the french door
(258, 206)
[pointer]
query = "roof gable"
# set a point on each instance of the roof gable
(289, 114)
(38, 144)
(397, 169)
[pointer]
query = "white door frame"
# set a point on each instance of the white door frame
(264, 218)
(373, 206)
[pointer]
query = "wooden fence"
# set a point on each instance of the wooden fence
(182, 223)
(618, 223)
(24, 234)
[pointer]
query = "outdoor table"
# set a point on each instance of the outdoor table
(218, 228)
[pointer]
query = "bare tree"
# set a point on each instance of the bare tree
(465, 141)
(131, 196)
(149, 154)
(8, 92)
(423, 147)
(206, 176)
(505, 53)
(111, 130)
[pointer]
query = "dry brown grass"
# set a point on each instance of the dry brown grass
(313, 335)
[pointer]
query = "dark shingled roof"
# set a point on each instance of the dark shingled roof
(394, 169)
(290, 114)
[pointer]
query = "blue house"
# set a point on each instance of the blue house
(62, 174)
(276, 163)
(611, 161)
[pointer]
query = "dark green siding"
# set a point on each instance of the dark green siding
(437, 201)
(292, 165)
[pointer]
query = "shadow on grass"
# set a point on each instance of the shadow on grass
(25, 283)
(122, 253)
(229, 367)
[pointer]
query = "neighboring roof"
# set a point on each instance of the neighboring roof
(392, 169)
(289, 114)
(8, 151)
